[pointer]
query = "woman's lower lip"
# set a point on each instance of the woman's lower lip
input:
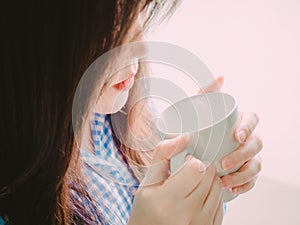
(126, 84)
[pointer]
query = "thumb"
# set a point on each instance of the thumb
(159, 170)
(170, 147)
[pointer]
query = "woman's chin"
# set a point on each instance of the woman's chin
(119, 102)
(112, 101)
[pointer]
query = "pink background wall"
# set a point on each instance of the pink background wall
(255, 45)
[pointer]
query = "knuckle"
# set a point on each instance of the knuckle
(259, 166)
(248, 187)
(259, 142)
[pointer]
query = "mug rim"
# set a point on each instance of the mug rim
(228, 114)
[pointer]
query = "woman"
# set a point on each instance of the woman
(46, 177)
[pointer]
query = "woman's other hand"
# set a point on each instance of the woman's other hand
(190, 196)
(245, 156)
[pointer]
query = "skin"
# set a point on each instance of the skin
(246, 155)
(193, 194)
(115, 92)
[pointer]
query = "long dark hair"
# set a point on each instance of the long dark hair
(45, 48)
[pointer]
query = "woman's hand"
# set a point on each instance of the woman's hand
(245, 156)
(191, 196)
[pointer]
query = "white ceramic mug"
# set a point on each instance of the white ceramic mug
(210, 120)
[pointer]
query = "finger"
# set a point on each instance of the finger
(248, 123)
(168, 148)
(181, 183)
(245, 187)
(159, 170)
(243, 153)
(244, 175)
(202, 189)
(156, 174)
(219, 214)
(206, 211)
(213, 87)
(214, 197)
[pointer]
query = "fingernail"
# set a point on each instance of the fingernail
(188, 157)
(227, 189)
(202, 166)
(226, 164)
(242, 136)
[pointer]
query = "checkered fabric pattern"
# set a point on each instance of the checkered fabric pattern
(109, 180)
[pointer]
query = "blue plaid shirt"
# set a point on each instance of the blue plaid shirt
(109, 181)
